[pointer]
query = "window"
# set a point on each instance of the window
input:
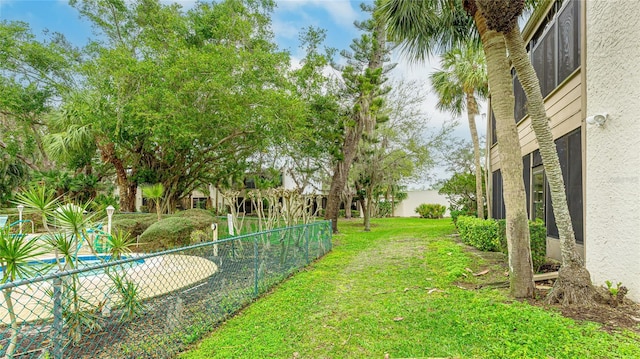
(492, 121)
(497, 203)
(526, 177)
(554, 51)
(569, 149)
(538, 194)
(520, 98)
(199, 202)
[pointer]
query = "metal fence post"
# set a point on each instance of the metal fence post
(255, 265)
(307, 228)
(58, 322)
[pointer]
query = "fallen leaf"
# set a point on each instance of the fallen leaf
(397, 319)
(432, 290)
(481, 273)
(449, 253)
(469, 270)
(386, 355)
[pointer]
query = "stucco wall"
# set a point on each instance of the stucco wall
(407, 208)
(613, 150)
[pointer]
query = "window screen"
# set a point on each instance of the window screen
(574, 183)
(568, 39)
(570, 155)
(497, 203)
(520, 109)
(549, 44)
(526, 176)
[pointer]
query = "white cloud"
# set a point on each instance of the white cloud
(284, 29)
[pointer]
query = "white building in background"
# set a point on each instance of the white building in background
(407, 208)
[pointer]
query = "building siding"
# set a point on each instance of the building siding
(613, 150)
(563, 106)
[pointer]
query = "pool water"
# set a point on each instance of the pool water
(47, 266)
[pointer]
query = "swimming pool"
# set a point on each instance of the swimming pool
(46, 266)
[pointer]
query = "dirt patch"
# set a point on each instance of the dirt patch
(625, 316)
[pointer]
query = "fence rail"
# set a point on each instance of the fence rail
(152, 305)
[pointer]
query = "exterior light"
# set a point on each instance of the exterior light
(110, 211)
(20, 209)
(598, 119)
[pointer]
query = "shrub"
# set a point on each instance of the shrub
(480, 233)
(201, 218)
(168, 233)
(431, 210)
(457, 213)
(135, 224)
(538, 233)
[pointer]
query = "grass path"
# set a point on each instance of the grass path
(391, 291)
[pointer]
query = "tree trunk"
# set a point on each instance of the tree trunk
(366, 209)
(472, 111)
(500, 84)
(333, 198)
(126, 189)
(574, 282)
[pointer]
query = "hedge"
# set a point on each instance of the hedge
(480, 233)
(490, 235)
(538, 234)
(427, 210)
(168, 233)
(135, 224)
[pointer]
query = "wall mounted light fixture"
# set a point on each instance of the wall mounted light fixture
(598, 119)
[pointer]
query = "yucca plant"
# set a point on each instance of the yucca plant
(119, 245)
(40, 200)
(75, 219)
(16, 253)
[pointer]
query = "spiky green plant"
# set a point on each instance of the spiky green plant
(75, 219)
(15, 254)
(130, 297)
(119, 244)
(40, 200)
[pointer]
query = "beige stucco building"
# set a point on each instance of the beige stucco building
(586, 56)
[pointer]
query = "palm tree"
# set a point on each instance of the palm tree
(424, 27)
(154, 193)
(574, 281)
(462, 79)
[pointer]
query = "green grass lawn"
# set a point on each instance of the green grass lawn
(391, 291)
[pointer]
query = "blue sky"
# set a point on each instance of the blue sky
(290, 16)
(336, 16)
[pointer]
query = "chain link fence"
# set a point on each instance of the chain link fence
(148, 306)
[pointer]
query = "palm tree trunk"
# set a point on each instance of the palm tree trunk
(574, 281)
(472, 111)
(518, 238)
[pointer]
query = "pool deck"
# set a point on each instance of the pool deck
(156, 276)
